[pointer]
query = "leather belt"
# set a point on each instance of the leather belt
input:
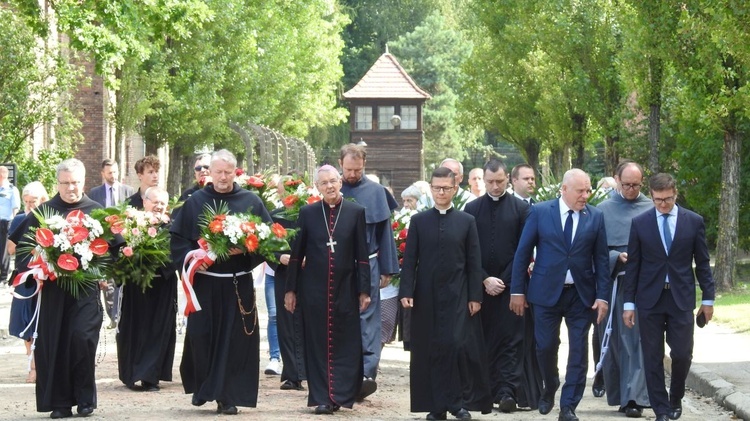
(566, 286)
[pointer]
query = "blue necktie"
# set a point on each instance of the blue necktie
(568, 230)
(666, 231)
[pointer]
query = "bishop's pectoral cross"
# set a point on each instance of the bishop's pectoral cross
(331, 243)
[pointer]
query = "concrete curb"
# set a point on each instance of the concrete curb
(711, 385)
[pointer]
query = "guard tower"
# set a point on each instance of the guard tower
(386, 114)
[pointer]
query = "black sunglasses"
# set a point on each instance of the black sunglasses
(200, 167)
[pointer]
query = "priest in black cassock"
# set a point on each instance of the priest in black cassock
(220, 358)
(624, 374)
(381, 248)
(515, 378)
(332, 290)
(68, 331)
(441, 281)
(146, 330)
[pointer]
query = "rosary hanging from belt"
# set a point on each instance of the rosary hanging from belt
(244, 312)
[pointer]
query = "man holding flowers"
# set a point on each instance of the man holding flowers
(70, 314)
(220, 359)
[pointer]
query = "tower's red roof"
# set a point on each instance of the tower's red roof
(386, 79)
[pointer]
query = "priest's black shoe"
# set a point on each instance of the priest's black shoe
(633, 412)
(547, 400)
(567, 414)
(369, 386)
(662, 418)
(85, 410)
(507, 404)
(225, 408)
(437, 416)
(324, 410)
(462, 414)
(198, 401)
(150, 387)
(675, 412)
(291, 385)
(61, 413)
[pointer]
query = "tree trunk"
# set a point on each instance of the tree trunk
(656, 81)
(611, 157)
(727, 242)
(578, 147)
(174, 177)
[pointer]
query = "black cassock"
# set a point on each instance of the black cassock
(220, 361)
(328, 291)
(65, 353)
(442, 272)
(147, 328)
(513, 367)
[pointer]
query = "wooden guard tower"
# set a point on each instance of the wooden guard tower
(386, 114)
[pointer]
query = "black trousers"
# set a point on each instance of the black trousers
(4, 256)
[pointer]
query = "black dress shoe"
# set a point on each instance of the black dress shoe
(598, 389)
(633, 412)
(545, 406)
(197, 401)
(150, 387)
(291, 385)
(662, 418)
(547, 400)
(675, 412)
(437, 416)
(462, 414)
(61, 413)
(85, 410)
(507, 404)
(324, 410)
(225, 408)
(567, 414)
(369, 386)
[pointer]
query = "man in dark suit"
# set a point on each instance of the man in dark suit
(110, 193)
(570, 279)
(659, 279)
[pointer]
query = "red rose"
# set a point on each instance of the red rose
(251, 243)
(402, 247)
(99, 247)
(45, 237)
(278, 230)
(75, 218)
(290, 200)
(394, 225)
(67, 261)
(402, 234)
(255, 181)
(127, 251)
(79, 234)
(238, 172)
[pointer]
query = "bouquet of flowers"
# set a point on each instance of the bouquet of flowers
(298, 194)
(147, 244)
(260, 184)
(70, 251)
(400, 227)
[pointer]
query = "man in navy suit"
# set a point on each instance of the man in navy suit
(659, 279)
(570, 280)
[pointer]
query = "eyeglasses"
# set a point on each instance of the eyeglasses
(199, 168)
(441, 189)
(70, 183)
(327, 183)
(659, 200)
(631, 186)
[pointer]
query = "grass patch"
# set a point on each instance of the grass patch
(732, 308)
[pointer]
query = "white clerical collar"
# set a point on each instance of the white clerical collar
(444, 211)
(495, 198)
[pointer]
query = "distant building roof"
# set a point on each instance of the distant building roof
(386, 79)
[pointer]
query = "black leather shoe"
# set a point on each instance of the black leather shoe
(662, 418)
(437, 416)
(597, 389)
(567, 414)
(633, 412)
(85, 410)
(462, 414)
(507, 404)
(675, 412)
(197, 401)
(369, 386)
(547, 401)
(545, 406)
(150, 387)
(225, 408)
(290, 385)
(324, 410)
(61, 413)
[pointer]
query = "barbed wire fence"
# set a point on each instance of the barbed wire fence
(268, 150)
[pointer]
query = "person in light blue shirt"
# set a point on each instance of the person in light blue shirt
(10, 202)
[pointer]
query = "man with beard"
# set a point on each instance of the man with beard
(146, 332)
(379, 204)
(441, 282)
(332, 290)
(622, 367)
(220, 359)
(68, 330)
(514, 375)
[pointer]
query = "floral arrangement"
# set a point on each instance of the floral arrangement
(146, 235)
(298, 194)
(400, 225)
(261, 184)
(68, 250)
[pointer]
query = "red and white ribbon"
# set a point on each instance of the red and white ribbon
(40, 271)
(193, 260)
